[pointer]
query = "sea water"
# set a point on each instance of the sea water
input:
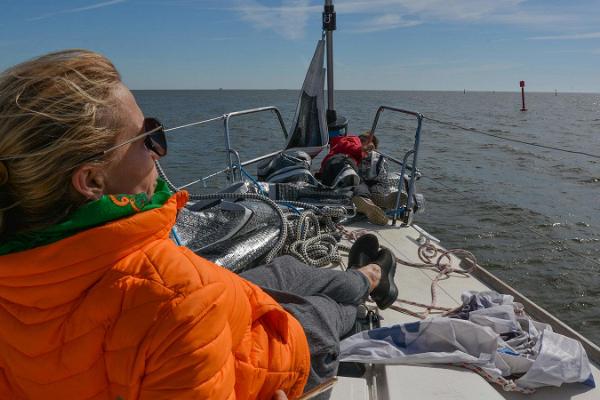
(530, 215)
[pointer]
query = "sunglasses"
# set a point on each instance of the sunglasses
(154, 139)
(154, 136)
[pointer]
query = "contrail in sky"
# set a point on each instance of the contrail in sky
(78, 9)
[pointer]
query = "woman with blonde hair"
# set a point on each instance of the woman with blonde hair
(95, 300)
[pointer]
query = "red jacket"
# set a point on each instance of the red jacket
(348, 145)
(119, 311)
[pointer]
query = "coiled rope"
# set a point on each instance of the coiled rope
(439, 260)
(300, 235)
(432, 257)
(313, 236)
(309, 243)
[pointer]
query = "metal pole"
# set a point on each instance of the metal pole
(522, 84)
(228, 148)
(329, 25)
(330, 92)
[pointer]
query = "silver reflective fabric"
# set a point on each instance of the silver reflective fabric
(234, 235)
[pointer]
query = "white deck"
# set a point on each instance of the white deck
(443, 383)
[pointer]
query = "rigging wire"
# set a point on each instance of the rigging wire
(196, 123)
(454, 125)
(553, 241)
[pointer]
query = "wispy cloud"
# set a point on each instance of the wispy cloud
(577, 51)
(289, 18)
(576, 36)
(470, 11)
(458, 10)
(78, 9)
(385, 22)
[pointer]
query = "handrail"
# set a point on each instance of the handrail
(246, 112)
(419, 116)
(239, 163)
(231, 169)
(407, 213)
(226, 170)
(400, 184)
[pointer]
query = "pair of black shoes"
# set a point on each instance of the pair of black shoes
(366, 251)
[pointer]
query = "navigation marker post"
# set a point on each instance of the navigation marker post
(522, 84)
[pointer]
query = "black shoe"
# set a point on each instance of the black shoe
(386, 292)
(364, 251)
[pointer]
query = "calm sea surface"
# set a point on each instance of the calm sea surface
(523, 211)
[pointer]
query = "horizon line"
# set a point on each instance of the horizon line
(376, 90)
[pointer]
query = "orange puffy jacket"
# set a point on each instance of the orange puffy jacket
(120, 312)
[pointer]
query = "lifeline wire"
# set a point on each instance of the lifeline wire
(573, 252)
(509, 139)
(196, 123)
(50, 149)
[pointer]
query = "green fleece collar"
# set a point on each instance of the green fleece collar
(107, 208)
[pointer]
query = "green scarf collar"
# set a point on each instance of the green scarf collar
(107, 208)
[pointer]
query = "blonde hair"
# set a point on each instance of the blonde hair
(55, 112)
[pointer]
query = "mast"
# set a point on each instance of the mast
(328, 28)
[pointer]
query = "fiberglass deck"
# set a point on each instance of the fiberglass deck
(424, 382)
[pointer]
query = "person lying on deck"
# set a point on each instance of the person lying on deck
(355, 151)
(373, 173)
(97, 302)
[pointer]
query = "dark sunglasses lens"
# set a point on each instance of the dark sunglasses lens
(156, 141)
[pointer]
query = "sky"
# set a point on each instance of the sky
(267, 44)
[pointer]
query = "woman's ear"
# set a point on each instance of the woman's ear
(89, 180)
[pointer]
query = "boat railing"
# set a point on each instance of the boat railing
(227, 118)
(406, 213)
(238, 164)
(408, 163)
(233, 159)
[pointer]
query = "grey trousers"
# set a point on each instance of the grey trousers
(323, 301)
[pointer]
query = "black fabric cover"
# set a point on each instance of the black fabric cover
(287, 167)
(335, 166)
